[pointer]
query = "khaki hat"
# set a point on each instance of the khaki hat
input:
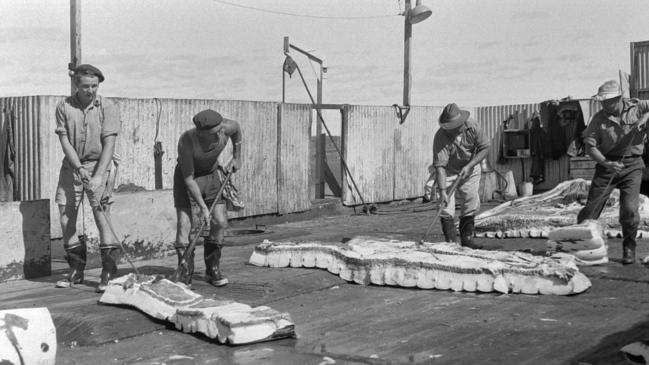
(452, 117)
(608, 90)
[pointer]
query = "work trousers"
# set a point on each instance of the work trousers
(628, 181)
(467, 194)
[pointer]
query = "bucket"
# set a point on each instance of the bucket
(525, 189)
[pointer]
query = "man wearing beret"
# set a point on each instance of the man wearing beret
(87, 126)
(458, 147)
(198, 178)
(614, 138)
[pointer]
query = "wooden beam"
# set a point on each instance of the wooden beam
(75, 38)
(407, 35)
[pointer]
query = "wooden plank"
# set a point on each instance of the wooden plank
(294, 126)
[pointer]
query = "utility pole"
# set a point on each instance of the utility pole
(75, 39)
(407, 78)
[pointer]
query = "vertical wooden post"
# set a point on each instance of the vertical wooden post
(75, 38)
(407, 34)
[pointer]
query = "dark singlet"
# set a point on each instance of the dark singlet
(206, 160)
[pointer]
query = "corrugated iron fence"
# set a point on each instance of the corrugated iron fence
(146, 121)
(388, 160)
(640, 69)
(492, 118)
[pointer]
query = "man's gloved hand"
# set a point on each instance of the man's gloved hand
(235, 165)
(205, 214)
(84, 175)
(614, 166)
(443, 198)
(465, 172)
(94, 183)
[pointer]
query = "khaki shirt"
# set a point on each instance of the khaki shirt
(86, 128)
(454, 152)
(613, 136)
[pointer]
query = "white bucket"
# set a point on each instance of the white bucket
(525, 189)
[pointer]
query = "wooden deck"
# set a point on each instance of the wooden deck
(349, 323)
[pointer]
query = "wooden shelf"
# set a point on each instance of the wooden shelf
(516, 143)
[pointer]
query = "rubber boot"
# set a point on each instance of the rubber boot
(109, 260)
(448, 228)
(212, 255)
(186, 271)
(467, 226)
(76, 258)
(628, 252)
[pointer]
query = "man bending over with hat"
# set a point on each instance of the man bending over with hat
(87, 125)
(459, 146)
(614, 138)
(198, 176)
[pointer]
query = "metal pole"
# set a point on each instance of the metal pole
(286, 49)
(320, 146)
(75, 39)
(407, 34)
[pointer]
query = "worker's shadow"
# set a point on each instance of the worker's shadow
(607, 351)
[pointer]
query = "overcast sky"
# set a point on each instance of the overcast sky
(478, 52)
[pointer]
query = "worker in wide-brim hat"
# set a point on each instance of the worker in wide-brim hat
(198, 177)
(614, 138)
(458, 148)
(87, 125)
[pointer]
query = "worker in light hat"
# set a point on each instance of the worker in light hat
(614, 138)
(198, 178)
(458, 148)
(87, 125)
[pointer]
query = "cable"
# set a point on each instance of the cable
(304, 15)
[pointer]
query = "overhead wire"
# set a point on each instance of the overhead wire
(304, 15)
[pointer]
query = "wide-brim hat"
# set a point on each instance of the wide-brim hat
(207, 119)
(453, 117)
(609, 90)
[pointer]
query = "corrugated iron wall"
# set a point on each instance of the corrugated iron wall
(491, 118)
(413, 151)
(368, 132)
(640, 69)
(293, 143)
(39, 156)
(388, 160)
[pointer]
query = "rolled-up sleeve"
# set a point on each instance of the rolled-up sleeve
(440, 152)
(481, 141)
(591, 133)
(112, 119)
(60, 120)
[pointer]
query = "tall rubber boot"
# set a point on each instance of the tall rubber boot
(212, 255)
(186, 271)
(448, 228)
(467, 226)
(75, 255)
(109, 259)
(628, 251)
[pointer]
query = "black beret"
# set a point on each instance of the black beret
(207, 119)
(90, 70)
